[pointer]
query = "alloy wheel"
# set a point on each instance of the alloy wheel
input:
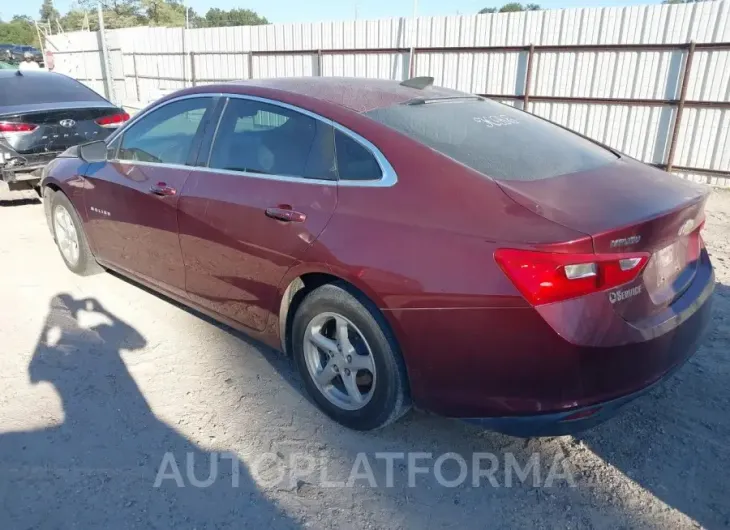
(340, 361)
(66, 235)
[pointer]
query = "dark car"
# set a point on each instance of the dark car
(6, 53)
(41, 115)
(406, 244)
(17, 53)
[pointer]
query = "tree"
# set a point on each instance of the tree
(167, 13)
(511, 7)
(235, 17)
(195, 20)
(48, 13)
(124, 14)
(74, 20)
(20, 30)
(127, 8)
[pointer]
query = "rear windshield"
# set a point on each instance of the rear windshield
(43, 88)
(494, 139)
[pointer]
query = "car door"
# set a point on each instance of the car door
(131, 199)
(267, 191)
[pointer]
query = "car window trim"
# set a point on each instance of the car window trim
(198, 137)
(338, 163)
(387, 179)
(211, 130)
(388, 176)
(271, 176)
(151, 108)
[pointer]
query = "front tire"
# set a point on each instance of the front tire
(70, 237)
(348, 358)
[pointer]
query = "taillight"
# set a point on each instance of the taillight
(113, 120)
(544, 277)
(12, 127)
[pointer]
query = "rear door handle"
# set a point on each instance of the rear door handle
(163, 190)
(286, 214)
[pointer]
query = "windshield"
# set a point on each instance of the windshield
(494, 139)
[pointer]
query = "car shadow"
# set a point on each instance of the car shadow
(675, 441)
(24, 201)
(111, 463)
(667, 443)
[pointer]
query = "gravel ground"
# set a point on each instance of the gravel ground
(108, 389)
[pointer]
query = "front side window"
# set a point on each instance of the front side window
(257, 137)
(165, 136)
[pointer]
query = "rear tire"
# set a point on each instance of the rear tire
(354, 372)
(70, 237)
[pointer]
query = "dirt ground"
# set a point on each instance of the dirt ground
(106, 390)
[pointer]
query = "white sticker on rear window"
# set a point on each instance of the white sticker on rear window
(496, 121)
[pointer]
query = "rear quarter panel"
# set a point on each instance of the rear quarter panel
(428, 241)
(423, 251)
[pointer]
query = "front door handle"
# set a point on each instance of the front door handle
(163, 190)
(286, 214)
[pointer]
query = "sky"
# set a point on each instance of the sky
(279, 11)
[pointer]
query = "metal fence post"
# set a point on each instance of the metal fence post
(184, 57)
(414, 44)
(250, 64)
(106, 59)
(680, 105)
(193, 81)
(136, 77)
(528, 77)
(319, 62)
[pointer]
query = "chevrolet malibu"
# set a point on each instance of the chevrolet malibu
(406, 244)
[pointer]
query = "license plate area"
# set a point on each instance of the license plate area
(670, 261)
(667, 274)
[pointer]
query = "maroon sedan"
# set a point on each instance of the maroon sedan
(407, 244)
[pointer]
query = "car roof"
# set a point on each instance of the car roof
(33, 74)
(357, 94)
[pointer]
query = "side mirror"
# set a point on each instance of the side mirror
(93, 151)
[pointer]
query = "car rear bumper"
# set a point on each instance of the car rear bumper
(509, 369)
(20, 170)
(570, 421)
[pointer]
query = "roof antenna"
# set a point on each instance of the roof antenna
(418, 82)
(19, 73)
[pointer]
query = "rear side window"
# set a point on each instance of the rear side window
(257, 137)
(494, 139)
(354, 161)
(44, 88)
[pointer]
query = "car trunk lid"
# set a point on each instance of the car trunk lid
(55, 129)
(627, 207)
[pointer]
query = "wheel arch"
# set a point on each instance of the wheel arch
(47, 191)
(297, 285)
